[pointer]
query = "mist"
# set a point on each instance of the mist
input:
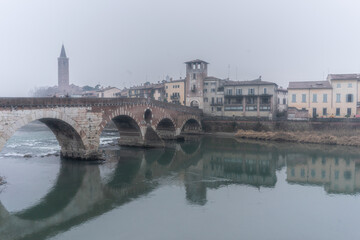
(125, 43)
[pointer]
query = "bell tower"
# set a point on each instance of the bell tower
(63, 71)
(196, 72)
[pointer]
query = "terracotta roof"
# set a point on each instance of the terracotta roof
(257, 81)
(211, 78)
(197, 61)
(353, 76)
(310, 85)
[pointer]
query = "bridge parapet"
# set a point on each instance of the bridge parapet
(26, 103)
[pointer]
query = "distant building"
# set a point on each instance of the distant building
(63, 71)
(109, 92)
(314, 97)
(196, 72)
(148, 90)
(337, 97)
(175, 91)
(213, 96)
(282, 95)
(254, 98)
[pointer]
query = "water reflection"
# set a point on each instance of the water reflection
(82, 193)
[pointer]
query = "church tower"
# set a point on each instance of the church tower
(63, 71)
(196, 72)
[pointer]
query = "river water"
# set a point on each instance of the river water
(204, 188)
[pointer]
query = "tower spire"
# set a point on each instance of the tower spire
(63, 53)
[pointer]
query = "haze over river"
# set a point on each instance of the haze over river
(207, 188)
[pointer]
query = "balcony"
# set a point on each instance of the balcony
(175, 97)
(214, 104)
(265, 107)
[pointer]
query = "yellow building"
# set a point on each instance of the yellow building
(345, 94)
(336, 97)
(175, 91)
(313, 96)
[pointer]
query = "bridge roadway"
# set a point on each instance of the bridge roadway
(78, 122)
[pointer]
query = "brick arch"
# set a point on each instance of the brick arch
(186, 119)
(165, 116)
(118, 112)
(52, 119)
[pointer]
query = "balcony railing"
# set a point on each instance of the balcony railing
(216, 104)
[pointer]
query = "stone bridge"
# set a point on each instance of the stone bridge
(78, 122)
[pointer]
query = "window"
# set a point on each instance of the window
(213, 90)
(206, 84)
(251, 91)
(325, 98)
(250, 100)
(336, 173)
(218, 109)
(219, 100)
(198, 66)
(324, 111)
(349, 112)
(293, 98)
(313, 172)
(337, 111)
(338, 96)
(205, 90)
(338, 85)
(166, 87)
(229, 91)
(212, 100)
(265, 90)
(349, 98)
(323, 174)
(278, 100)
(303, 98)
(284, 100)
(349, 85)
(194, 66)
(194, 75)
(292, 172)
(314, 97)
(302, 172)
(206, 99)
(239, 91)
(213, 83)
(233, 108)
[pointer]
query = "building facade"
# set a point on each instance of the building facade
(337, 97)
(196, 72)
(175, 91)
(213, 96)
(254, 98)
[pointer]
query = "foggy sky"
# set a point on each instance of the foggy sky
(125, 43)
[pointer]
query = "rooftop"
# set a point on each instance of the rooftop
(310, 85)
(197, 61)
(257, 81)
(352, 76)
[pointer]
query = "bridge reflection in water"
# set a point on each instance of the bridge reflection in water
(81, 192)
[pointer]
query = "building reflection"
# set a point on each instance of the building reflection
(83, 191)
(337, 174)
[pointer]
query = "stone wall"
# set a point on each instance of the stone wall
(317, 125)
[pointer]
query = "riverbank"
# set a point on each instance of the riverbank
(316, 137)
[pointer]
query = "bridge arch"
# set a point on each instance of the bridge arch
(166, 128)
(191, 125)
(71, 137)
(127, 125)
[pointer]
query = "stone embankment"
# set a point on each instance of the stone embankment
(332, 138)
